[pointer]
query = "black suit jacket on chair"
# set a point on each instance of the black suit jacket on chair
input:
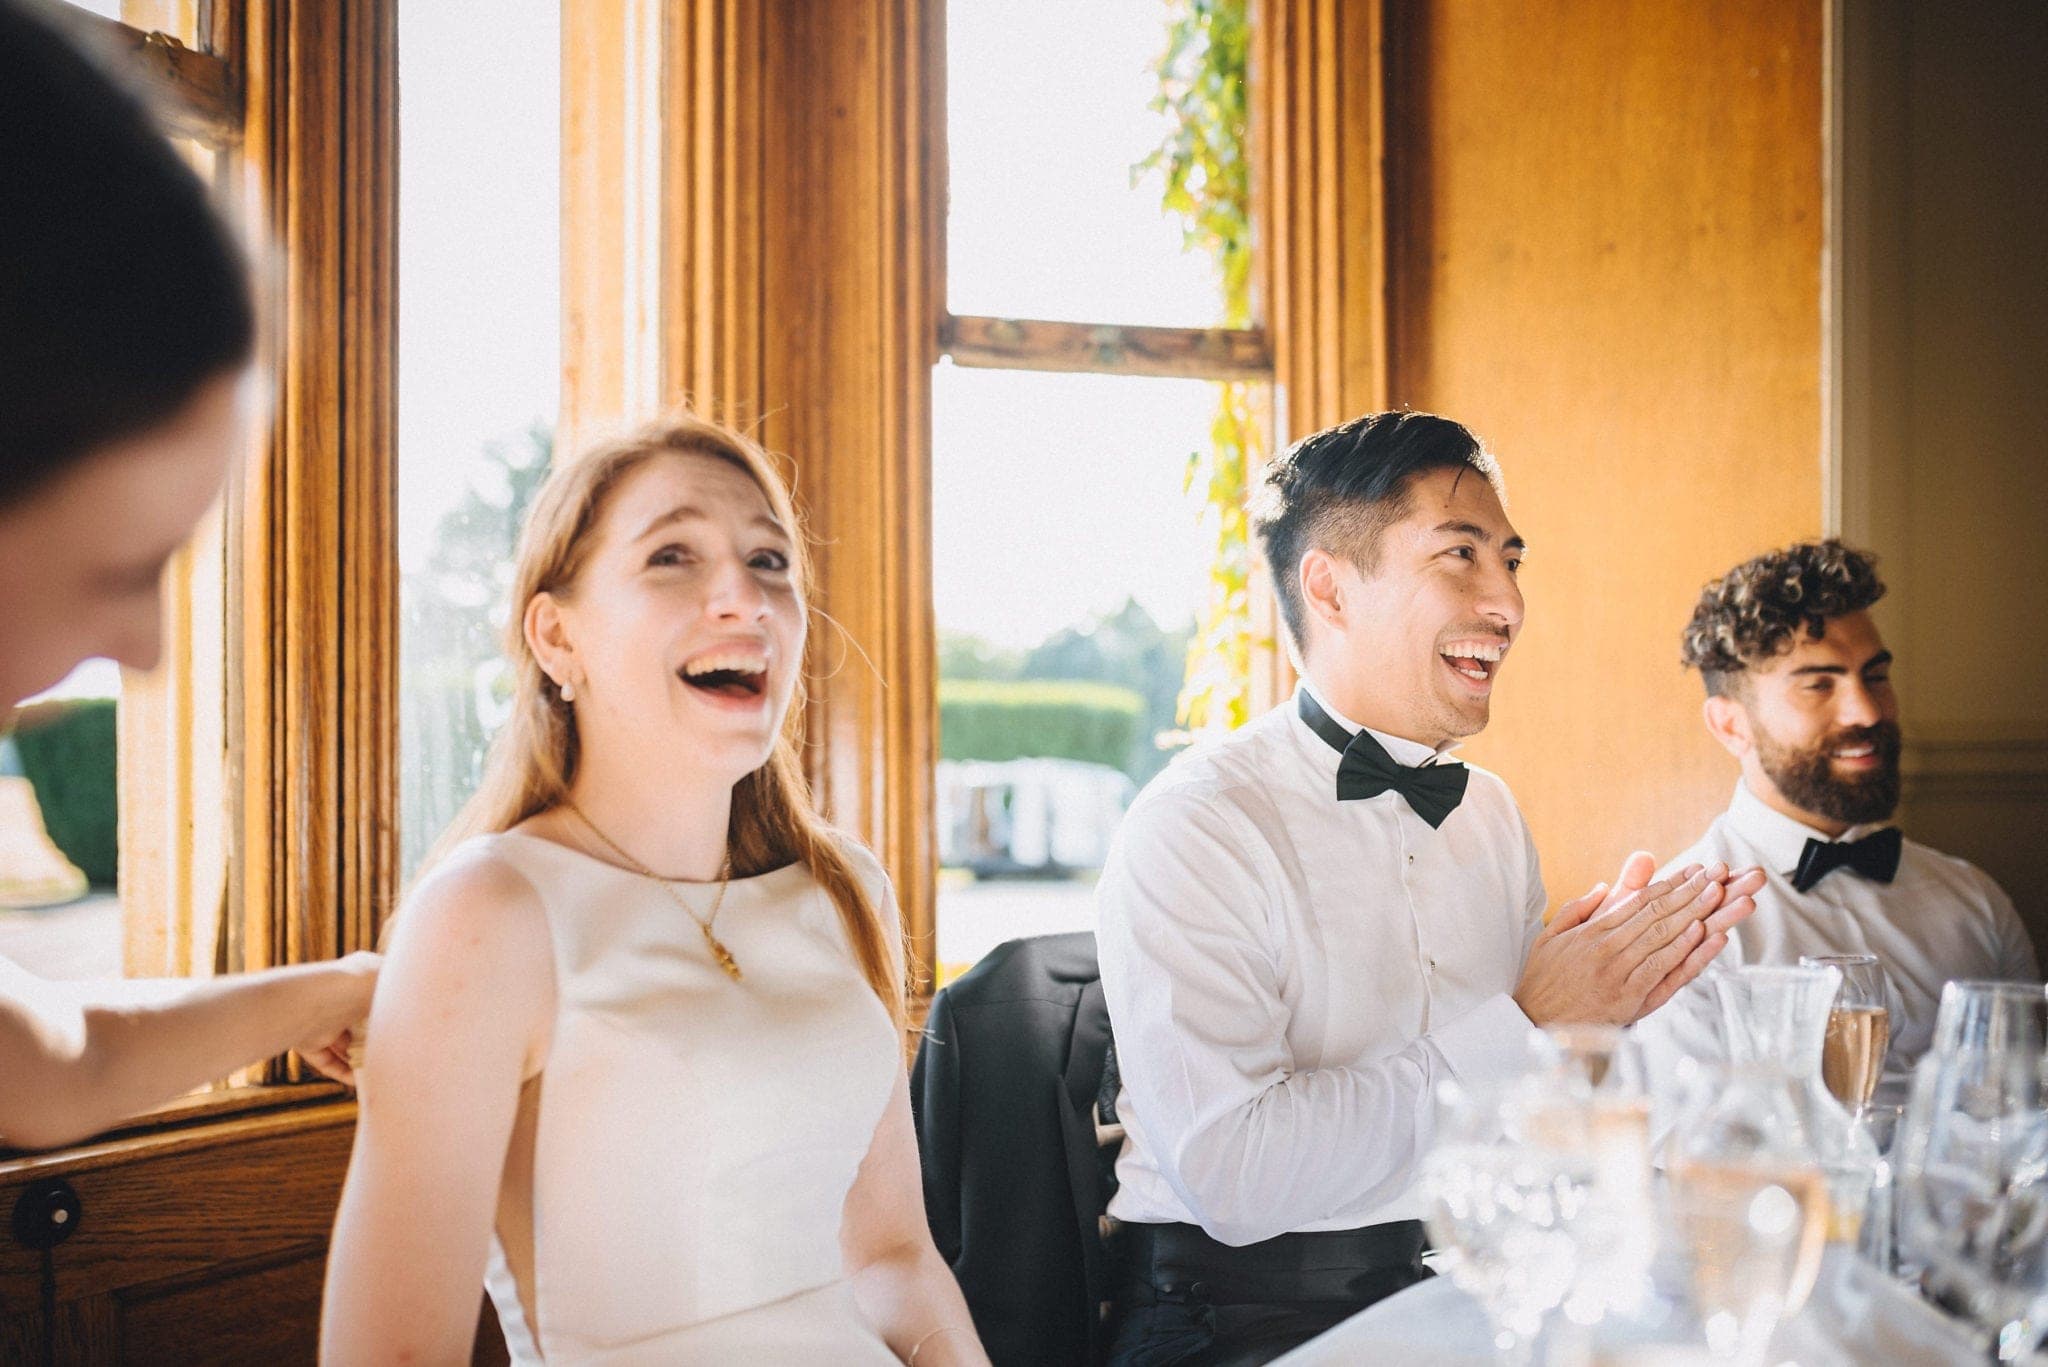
(1005, 1092)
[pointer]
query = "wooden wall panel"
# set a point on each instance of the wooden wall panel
(1318, 136)
(196, 1313)
(713, 178)
(612, 217)
(1604, 254)
(1942, 337)
(198, 1245)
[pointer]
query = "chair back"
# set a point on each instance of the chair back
(1013, 1094)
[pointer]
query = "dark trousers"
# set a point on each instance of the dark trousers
(1185, 1300)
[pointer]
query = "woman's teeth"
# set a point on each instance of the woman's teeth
(732, 675)
(725, 664)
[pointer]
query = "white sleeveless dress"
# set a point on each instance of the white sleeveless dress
(680, 1163)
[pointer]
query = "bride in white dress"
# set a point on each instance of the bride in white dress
(636, 1060)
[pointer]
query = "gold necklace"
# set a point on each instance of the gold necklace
(718, 950)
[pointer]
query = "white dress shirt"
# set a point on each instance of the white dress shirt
(1939, 918)
(1289, 976)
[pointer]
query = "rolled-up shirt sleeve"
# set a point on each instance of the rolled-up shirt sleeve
(1253, 1145)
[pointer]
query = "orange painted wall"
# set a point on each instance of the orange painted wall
(1605, 224)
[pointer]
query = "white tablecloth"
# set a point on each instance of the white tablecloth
(1855, 1316)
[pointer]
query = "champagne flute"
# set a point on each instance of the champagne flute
(1883, 1118)
(1859, 1028)
(1748, 1202)
(1748, 1246)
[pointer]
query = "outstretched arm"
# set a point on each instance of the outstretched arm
(79, 1057)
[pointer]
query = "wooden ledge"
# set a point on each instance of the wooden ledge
(230, 1118)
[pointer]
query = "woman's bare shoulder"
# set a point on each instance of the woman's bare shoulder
(471, 936)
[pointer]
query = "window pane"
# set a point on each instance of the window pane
(1068, 570)
(178, 18)
(60, 908)
(478, 344)
(106, 9)
(1047, 113)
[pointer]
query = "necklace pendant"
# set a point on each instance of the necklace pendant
(721, 953)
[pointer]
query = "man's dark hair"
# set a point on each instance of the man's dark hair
(121, 291)
(1341, 488)
(1750, 615)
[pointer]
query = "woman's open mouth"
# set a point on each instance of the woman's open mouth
(731, 676)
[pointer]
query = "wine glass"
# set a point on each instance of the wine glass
(1505, 1201)
(1973, 1186)
(1883, 1118)
(1749, 1202)
(1595, 1085)
(1859, 1028)
(1977, 1014)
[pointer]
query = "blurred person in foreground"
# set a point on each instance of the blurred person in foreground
(127, 328)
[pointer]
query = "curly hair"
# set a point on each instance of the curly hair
(1749, 614)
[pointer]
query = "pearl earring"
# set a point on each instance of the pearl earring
(568, 692)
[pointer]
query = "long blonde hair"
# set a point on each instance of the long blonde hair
(533, 758)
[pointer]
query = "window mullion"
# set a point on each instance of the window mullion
(314, 733)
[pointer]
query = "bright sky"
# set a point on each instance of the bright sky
(1046, 115)
(479, 242)
(1057, 496)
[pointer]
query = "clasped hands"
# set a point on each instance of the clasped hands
(1622, 950)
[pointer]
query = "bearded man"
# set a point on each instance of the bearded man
(1799, 690)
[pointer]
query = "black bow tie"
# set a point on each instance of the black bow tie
(1433, 791)
(1874, 856)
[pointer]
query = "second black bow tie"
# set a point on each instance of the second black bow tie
(1432, 791)
(1875, 856)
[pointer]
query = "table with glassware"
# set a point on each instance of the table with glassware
(1785, 1203)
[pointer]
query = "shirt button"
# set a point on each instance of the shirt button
(1411, 859)
(1429, 963)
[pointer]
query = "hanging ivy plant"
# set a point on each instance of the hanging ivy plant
(1205, 169)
